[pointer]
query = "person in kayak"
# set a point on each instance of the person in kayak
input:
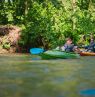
(69, 46)
(91, 46)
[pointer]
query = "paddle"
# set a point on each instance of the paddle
(36, 50)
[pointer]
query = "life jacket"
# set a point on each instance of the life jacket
(69, 48)
(91, 47)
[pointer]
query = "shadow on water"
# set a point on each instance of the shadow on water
(27, 76)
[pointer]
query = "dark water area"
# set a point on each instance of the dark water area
(28, 76)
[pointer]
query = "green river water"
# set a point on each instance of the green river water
(25, 76)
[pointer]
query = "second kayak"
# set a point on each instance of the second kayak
(87, 54)
(54, 54)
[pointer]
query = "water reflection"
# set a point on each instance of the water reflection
(20, 77)
(57, 80)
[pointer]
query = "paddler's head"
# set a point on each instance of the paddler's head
(68, 40)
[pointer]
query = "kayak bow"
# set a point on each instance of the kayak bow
(87, 54)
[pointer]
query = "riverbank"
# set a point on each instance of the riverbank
(14, 54)
(9, 37)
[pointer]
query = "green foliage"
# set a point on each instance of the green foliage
(48, 22)
(85, 22)
(6, 45)
(46, 25)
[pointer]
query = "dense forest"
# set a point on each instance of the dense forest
(46, 23)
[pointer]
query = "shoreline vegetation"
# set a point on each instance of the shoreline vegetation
(10, 38)
(25, 24)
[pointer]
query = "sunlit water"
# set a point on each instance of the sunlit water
(28, 76)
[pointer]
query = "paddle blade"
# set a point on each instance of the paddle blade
(36, 50)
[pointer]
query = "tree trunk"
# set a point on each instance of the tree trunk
(73, 18)
(26, 7)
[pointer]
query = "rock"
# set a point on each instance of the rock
(9, 37)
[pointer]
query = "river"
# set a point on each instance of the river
(28, 76)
